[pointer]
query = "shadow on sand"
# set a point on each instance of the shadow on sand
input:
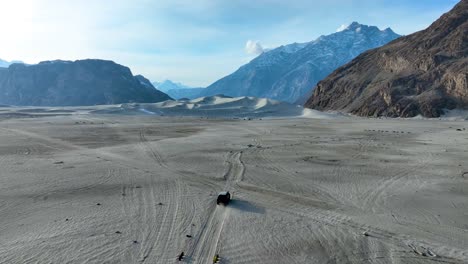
(246, 206)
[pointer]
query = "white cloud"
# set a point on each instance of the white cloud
(342, 27)
(253, 47)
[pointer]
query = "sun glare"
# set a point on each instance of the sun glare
(16, 23)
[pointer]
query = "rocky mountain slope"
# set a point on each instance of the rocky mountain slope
(67, 83)
(420, 74)
(287, 73)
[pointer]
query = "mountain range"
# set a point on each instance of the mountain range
(74, 83)
(288, 73)
(424, 73)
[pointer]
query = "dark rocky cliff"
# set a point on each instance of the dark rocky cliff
(66, 83)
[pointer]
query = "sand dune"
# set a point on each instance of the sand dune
(220, 106)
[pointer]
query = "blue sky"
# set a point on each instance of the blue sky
(193, 42)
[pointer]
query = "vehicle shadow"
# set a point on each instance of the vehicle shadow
(246, 206)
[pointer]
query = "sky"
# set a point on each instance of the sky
(194, 42)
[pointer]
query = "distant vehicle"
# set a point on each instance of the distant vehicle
(224, 198)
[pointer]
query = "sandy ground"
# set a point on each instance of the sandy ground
(142, 189)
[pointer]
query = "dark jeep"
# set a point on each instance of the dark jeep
(224, 198)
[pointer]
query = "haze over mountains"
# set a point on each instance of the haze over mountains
(168, 85)
(6, 64)
(289, 72)
(177, 90)
(420, 74)
(67, 83)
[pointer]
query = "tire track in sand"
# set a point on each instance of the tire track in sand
(159, 237)
(164, 240)
(207, 243)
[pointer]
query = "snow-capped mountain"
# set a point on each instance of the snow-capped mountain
(288, 73)
(177, 90)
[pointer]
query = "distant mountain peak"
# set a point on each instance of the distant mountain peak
(358, 27)
(174, 83)
(167, 85)
(177, 90)
(354, 25)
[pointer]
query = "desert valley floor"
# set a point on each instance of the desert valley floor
(142, 189)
